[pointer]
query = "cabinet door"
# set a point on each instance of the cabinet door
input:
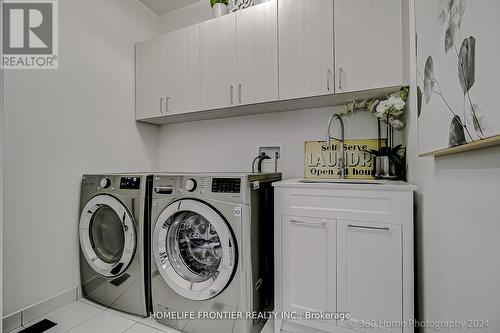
(218, 62)
(149, 86)
(305, 48)
(182, 70)
(257, 53)
(369, 273)
(308, 265)
(368, 44)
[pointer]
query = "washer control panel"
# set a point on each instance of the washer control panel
(130, 183)
(226, 185)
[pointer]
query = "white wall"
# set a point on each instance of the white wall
(63, 123)
(231, 144)
(457, 229)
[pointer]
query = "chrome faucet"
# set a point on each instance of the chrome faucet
(341, 158)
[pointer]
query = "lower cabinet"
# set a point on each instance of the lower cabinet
(308, 260)
(369, 279)
(343, 253)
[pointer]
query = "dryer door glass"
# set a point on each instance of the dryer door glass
(194, 249)
(107, 235)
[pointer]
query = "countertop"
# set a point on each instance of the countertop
(358, 184)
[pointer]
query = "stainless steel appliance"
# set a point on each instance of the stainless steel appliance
(115, 241)
(212, 243)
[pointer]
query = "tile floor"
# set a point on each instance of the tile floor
(84, 316)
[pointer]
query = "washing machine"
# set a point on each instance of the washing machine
(212, 251)
(115, 241)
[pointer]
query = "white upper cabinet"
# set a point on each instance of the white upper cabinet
(257, 54)
(182, 70)
(305, 48)
(239, 58)
(280, 54)
(368, 44)
(218, 62)
(370, 285)
(149, 79)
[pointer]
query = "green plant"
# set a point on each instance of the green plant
(386, 151)
(396, 155)
(213, 2)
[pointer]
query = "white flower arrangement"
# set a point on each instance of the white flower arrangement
(396, 123)
(387, 110)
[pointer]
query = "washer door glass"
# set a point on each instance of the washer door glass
(194, 249)
(107, 235)
(194, 246)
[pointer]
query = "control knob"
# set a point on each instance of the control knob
(191, 185)
(105, 182)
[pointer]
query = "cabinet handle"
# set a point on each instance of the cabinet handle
(341, 71)
(231, 93)
(328, 75)
(239, 92)
(161, 104)
(307, 223)
(367, 227)
(166, 104)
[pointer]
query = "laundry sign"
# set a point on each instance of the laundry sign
(321, 160)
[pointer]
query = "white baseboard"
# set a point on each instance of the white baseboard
(37, 311)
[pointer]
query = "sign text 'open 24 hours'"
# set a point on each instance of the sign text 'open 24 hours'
(321, 160)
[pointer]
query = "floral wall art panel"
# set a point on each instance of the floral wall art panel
(458, 74)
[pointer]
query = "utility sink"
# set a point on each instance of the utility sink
(344, 181)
